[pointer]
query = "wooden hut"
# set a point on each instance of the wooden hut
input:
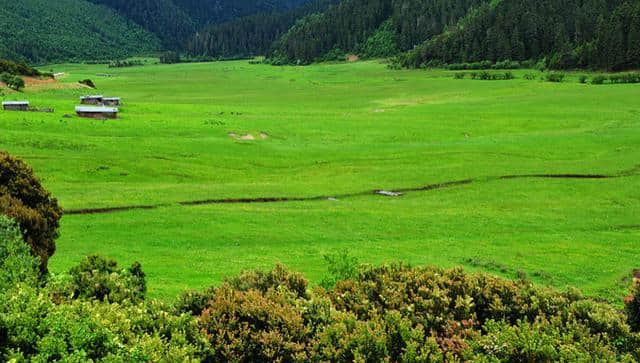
(111, 101)
(15, 105)
(91, 100)
(97, 112)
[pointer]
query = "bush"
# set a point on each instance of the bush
(632, 306)
(583, 79)
(459, 75)
(87, 82)
(555, 77)
(530, 76)
(14, 82)
(16, 263)
(507, 64)
(342, 266)
(23, 199)
(389, 313)
(102, 279)
(598, 80)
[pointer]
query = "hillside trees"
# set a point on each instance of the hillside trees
(569, 34)
(23, 199)
(250, 35)
(350, 25)
(41, 31)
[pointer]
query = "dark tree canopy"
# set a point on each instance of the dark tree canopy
(23, 199)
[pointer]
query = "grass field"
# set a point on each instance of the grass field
(340, 129)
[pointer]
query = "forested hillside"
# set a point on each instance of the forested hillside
(599, 34)
(347, 26)
(175, 21)
(47, 31)
(250, 35)
(568, 33)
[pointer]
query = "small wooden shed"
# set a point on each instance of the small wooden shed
(111, 101)
(97, 112)
(15, 105)
(91, 100)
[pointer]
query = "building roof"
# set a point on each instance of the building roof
(111, 98)
(15, 103)
(90, 97)
(97, 109)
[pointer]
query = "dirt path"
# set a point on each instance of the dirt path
(399, 192)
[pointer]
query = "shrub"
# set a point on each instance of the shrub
(87, 82)
(16, 263)
(506, 64)
(598, 80)
(555, 77)
(459, 75)
(254, 327)
(23, 199)
(530, 76)
(583, 79)
(632, 306)
(12, 81)
(102, 279)
(342, 266)
(275, 279)
(508, 76)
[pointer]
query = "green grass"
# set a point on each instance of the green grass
(338, 129)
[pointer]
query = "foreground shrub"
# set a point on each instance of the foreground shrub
(598, 80)
(98, 278)
(632, 306)
(23, 199)
(34, 328)
(16, 263)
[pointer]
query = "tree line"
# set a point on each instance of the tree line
(353, 26)
(40, 31)
(176, 21)
(599, 34)
(251, 35)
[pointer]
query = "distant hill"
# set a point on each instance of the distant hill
(250, 35)
(175, 21)
(602, 34)
(49, 31)
(350, 25)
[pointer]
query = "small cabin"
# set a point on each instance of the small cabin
(91, 100)
(97, 112)
(15, 105)
(111, 101)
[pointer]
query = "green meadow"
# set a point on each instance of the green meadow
(233, 130)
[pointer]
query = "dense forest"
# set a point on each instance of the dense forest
(47, 31)
(566, 33)
(597, 34)
(348, 26)
(251, 35)
(175, 21)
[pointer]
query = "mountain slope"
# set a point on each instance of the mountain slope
(175, 21)
(48, 31)
(250, 35)
(603, 34)
(348, 25)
